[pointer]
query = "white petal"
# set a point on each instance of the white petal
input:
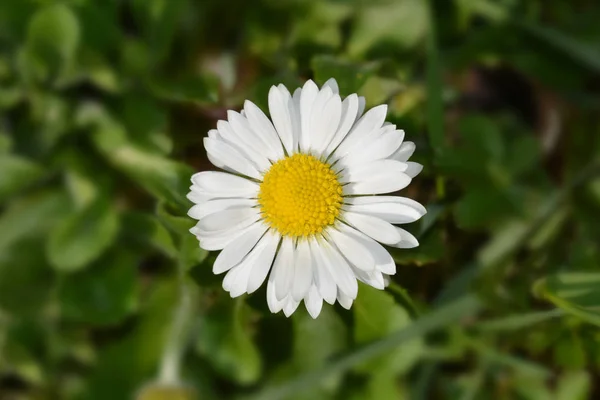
(347, 119)
(382, 182)
(333, 85)
(226, 157)
(262, 265)
(371, 121)
(200, 211)
(325, 123)
(233, 253)
(344, 300)
(224, 184)
(263, 127)
(372, 278)
(307, 98)
(374, 227)
(408, 240)
(383, 259)
(274, 305)
(321, 275)
(213, 134)
(290, 306)
(282, 112)
(366, 172)
(227, 219)
(241, 126)
(313, 302)
(340, 270)
(380, 148)
(244, 145)
(219, 240)
(404, 152)
(316, 122)
(362, 102)
(283, 269)
(303, 276)
(393, 209)
(413, 169)
(353, 251)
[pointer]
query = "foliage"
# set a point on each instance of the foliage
(104, 294)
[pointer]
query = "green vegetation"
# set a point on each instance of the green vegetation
(104, 294)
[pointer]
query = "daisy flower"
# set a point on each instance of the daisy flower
(299, 202)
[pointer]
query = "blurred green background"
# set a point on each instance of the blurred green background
(105, 295)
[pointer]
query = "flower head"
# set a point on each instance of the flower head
(299, 201)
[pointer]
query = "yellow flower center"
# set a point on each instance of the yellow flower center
(300, 196)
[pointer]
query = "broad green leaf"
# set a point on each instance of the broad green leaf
(569, 352)
(6, 143)
(167, 392)
(159, 20)
(402, 23)
(480, 206)
(225, 340)
(31, 216)
(103, 294)
(376, 315)
(17, 174)
(482, 135)
(53, 36)
(83, 236)
(574, 385)
(133, 357)
(349, 76)
(194, 89)
(162, 177)
(316, 341)
(26, 280)
(575, 292)
(146, 230)
(320, 26)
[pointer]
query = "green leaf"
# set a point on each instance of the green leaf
(26, 280)
(195, 89)
(226, 341)
(349, 76)
(518, 321)
(317, 339)
(569, 352)
(17, 174)
(83, 236)
(134, 355)
(146, 230)
(573, 385)
(480, 206)
(164, 178)
(376, 315)
(575, 292)
(159, 20)
(446, 315)
(482, 135)
(103, 294)
(401, 23)
(31, 216)
(53, 36)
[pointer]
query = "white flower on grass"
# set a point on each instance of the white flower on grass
(298, 201)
